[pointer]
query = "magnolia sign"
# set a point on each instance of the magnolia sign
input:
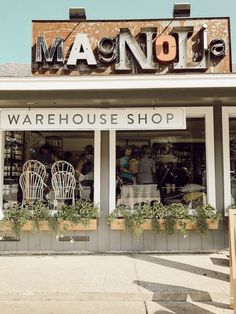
(94, 119)
(129, 47)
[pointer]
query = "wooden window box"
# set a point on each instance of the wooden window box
(118, 224)
(64, 224)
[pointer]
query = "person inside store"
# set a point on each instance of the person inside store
(146, 167)
(182, 178)
(165, 180)
(47, 157)
(133, 163)
(127, 192)
(146, 170)
(119, 182)
(125, 173)
(85, 169)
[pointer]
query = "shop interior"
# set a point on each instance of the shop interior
(232, 133)
(164, 166)
(178, 151)
(23, 148)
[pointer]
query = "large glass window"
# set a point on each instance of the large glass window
(77, 148)
(229, 156)
(164, 166)
(232, 141)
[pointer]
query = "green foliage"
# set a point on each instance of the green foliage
(172, 214)
(133, 218)
(201, 215)
(82, 212)
(156, 227)
(170, 222)
(175, 212)
(39, 212)
(178, 211)
(159, 210)
(183, 230)
(17, 217)
(119, 212)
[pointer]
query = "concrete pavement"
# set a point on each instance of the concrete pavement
(139, 283)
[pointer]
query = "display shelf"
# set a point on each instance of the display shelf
(13, 156)
(191, 155)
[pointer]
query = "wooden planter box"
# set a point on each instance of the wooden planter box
(118, 224)
(64, 224)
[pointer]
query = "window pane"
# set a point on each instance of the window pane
(232, 136)
(165, 166)
(77, 148)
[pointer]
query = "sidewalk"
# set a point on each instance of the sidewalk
(139, 283)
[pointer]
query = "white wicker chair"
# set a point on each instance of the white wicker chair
(36, 166)
(32, 186)
(62, 165)
(63, 184)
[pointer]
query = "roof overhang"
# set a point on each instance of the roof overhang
(120, 90)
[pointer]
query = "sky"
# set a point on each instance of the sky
(16, 17)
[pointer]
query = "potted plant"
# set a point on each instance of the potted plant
(80, 216)
(38, 216)
(158, 217)
(132, 220)
(205, 217)
(14, 220)
(173, 216)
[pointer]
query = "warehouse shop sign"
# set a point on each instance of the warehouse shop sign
(94, 119)
(184, 46)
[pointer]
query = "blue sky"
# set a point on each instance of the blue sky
(16, 16)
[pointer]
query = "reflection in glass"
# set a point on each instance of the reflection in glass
(48, 147)
(232, 135)
(163, 166)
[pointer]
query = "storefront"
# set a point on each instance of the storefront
(151, 101)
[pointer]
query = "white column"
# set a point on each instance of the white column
(210, 157)
(112, 170)
(97, 167)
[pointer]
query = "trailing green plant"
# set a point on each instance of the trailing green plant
(159, 212)
(53, 222)
(183, 229)
(171, 214)
(16, 217)
(118, 212)
(133, 218)
(82, 211)
(39, 212)
(170, 222)
(201, 214)
(156, 227)
(176, 212)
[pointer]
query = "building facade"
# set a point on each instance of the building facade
(158, 93)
